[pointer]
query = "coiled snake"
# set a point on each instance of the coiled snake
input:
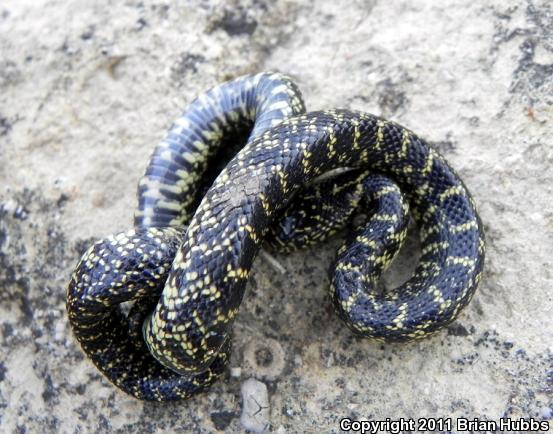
(205, 210)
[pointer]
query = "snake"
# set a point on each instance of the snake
(244, 167)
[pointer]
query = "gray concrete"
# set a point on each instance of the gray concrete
(88, 88)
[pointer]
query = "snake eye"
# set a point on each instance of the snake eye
(215, 341)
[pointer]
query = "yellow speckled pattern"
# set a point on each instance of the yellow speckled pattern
(188, 282)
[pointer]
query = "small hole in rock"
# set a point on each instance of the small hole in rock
(263, 356)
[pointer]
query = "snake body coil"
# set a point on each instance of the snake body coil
(188, 282)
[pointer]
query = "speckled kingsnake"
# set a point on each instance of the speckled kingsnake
(195, 245)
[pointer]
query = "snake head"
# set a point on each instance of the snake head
(189, 350)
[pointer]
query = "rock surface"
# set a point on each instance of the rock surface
(88, 88)
(255, 406)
